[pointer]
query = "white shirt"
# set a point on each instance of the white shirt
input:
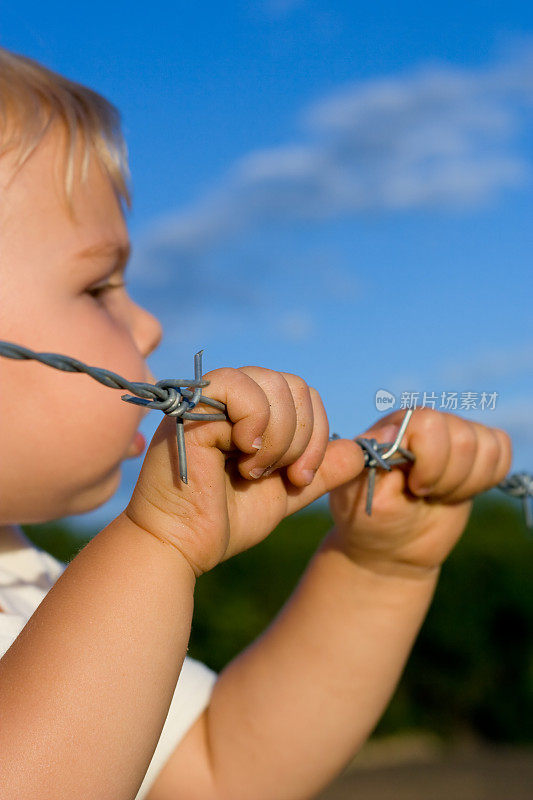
(27, 573)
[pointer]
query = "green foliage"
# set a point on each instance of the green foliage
(472, 665)
(57, 538)
(237, 600)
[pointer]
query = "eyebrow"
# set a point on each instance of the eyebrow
(105, 249)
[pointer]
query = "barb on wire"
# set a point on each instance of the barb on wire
(519, 484)
(379, 455)
(171, 396)
(383, 455)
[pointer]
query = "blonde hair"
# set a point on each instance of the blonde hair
(33, 98)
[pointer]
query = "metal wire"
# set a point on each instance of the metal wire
(168, 396)
(383, 455)
(378, 455)
(520, 484)
(172, 397)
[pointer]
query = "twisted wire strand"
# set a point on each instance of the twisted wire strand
(520, 485)
(383, 455)
(172, 396)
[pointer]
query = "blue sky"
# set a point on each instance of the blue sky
(338, 190)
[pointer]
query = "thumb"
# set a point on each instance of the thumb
(159, 494)
(383, 431)
(160, 465)
(343, 462)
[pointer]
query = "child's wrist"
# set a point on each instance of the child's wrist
(384, 564)
(170, 548)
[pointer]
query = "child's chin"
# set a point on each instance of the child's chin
(98, 495)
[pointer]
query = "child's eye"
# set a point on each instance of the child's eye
(99, 290)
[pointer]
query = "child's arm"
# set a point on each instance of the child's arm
(86, 686)
(288, 713)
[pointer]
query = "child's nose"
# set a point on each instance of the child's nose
(147, 330)
(149, 376)
(156, 331)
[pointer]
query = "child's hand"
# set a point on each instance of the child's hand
(223, 510)
(419, 510)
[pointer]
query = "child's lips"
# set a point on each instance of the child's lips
(139, 442)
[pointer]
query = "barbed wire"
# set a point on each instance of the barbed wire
(173, 396)
(378, 455)
(520, 484)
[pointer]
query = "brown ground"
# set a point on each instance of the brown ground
(420, 769)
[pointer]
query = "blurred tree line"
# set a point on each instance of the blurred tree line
(472, 666)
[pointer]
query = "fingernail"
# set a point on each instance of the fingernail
(389, 432)
(308, 475)
(257, 443)
(256, 473)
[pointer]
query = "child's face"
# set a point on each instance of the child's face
(63, 435)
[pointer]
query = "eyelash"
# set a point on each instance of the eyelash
(98, 290)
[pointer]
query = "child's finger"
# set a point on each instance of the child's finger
(343, 461)
(304, 421)
(505, 458)
(428, 437)
(478, 469)
(247, 407)
(384, 431)
(303, 470)
(461, 454)
(491, 458)
(281, 427)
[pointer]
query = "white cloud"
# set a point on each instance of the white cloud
(296, 326)
(494, 364)
(438, 136)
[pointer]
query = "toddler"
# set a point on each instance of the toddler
(98, 698)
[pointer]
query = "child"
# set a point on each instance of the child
(99, 699)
